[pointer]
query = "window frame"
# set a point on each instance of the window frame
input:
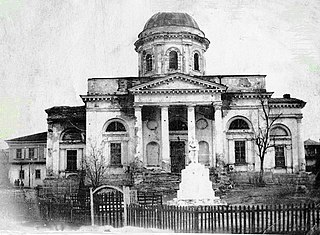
(19, 153)
(21, 174)
(31, 156)
(149, 62)
(37, 174)
(240, 159)
(115, 122)
(69, 161)
(277, 157)
(236, 126)
(116, 161)
(173, 60)
(196, 62)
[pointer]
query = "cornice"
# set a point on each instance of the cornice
(284, 105)
(171, 35)
(93, 97)
(171, 91)
(249, 95)
(208, 87)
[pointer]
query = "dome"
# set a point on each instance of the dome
(161, 19)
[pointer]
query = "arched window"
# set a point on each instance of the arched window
(115, 127)
(278, 131)
(239, 124)
(149, 62)
(178, 125)
(196, 61)
(72, 135)
(280, 135)
(173, 60)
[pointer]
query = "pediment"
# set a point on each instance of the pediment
(178, 83)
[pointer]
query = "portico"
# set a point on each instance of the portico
(168, 118)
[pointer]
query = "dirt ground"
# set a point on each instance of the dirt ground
(270, 194)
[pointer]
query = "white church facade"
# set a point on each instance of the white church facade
(155, 116)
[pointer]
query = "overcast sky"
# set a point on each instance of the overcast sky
(49, 48)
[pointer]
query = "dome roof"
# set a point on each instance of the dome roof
(161, 19)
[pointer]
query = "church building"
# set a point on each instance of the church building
(153, 118)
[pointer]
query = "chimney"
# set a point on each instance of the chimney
(287, 96)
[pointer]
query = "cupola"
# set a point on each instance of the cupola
(171, 42)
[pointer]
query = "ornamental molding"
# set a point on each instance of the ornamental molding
(96, 97)
(247, 95)
(284, 105)
(171, 35)
(162, 86)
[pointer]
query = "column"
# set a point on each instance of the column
(218, 130)
(138, 130)
(301, 156)
(165, 145)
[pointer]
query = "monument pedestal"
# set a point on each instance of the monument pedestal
(195, 188)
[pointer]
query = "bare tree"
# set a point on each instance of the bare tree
(94, 165)
(262, 137)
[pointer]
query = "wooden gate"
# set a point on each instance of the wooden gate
(109, 208)
(108, 205)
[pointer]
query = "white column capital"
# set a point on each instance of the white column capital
(164, 106)
(191, 105)
(137, 106)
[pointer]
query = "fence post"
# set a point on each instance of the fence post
(196, 220)
(126, 202)
(91, 207)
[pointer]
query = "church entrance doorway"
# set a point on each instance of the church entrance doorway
(177, 155)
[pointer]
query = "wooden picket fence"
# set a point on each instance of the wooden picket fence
(227, 219)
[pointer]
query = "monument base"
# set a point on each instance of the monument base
(195, 188)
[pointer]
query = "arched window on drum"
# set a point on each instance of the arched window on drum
(196, 61)
(173, 60)
(148, 62)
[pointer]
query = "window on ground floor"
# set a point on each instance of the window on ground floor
(71, 160)
(21, 174)
(279, 156)
(38, 174)
(240, 152)
(115, 154)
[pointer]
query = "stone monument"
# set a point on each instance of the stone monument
(195, 188)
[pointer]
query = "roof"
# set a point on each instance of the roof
(311, 142)
(66, 112)
(39, 137)
(161, 19)
(287, 100)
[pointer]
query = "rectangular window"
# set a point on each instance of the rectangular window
(21, 174)
(279, 156)
(31, 152)
(19, 153)
(71, 160)
(115, 153)
(240, 151)
(38, 174)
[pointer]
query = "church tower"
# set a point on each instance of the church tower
(169, 43)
